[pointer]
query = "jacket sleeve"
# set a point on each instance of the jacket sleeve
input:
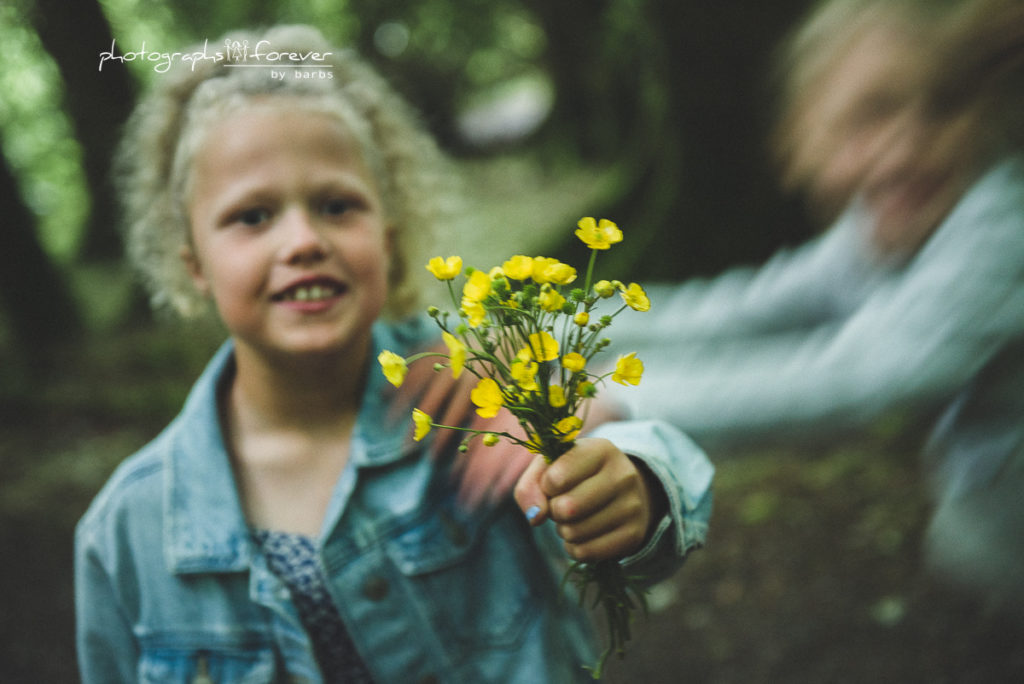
(797, 288)
(107, 649)
(914, 338)
(685, 474)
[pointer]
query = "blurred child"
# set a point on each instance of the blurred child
(283, 527)
(908, 114)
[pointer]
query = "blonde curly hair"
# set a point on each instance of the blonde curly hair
(153, 163)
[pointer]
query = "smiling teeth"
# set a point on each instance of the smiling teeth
(310, 294)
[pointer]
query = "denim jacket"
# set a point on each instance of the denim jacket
(170, 588)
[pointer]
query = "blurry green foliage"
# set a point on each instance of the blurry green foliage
(659, 99)
(38, 140)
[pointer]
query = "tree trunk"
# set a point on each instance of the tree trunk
(98, 102)
(35, 299)
(675, 91)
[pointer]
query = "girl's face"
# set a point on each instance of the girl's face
(288, 232)
(918, 178)
(875, 135)
(850, 116)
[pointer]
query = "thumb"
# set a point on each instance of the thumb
(528, 493)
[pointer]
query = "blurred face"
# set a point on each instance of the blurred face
(288, 232)
(919, 176)
(870, 132)
(848, 117)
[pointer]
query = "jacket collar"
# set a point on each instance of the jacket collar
(204, 525)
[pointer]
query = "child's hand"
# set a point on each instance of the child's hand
(488, 474)
(602, 504)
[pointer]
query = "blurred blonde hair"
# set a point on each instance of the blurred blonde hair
(985, 42)
(154, 160)
(810, 54)
(974, 51)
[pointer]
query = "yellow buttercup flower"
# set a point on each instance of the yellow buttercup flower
(568, 428)
(543, 346)
(541, 265)
(423, 423)
(490, 439)
(556, 396)
(636, 298)
(524, 372)
(548, 270)
(598, 235)
(628, 370)
(560, 274)
(487, 397)
(474, 311)
(394, 367)
(574, 362)
(456, 353)
(445, 269)
(550, 299)
(477, 286)
(581, 318)
(519, 267)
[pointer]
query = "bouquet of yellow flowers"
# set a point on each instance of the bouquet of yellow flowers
(529, 342)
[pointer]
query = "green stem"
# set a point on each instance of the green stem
(590, 270)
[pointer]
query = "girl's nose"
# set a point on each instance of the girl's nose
(901, 146)
(304, 241)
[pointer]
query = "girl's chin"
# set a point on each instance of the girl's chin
(903, 224)
(317, 347)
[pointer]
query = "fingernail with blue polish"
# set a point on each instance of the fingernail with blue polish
(532, 512)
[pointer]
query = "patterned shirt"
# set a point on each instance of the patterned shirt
(293, 558)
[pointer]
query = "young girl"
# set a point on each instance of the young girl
(285, 526)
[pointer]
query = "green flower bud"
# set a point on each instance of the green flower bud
(604, 289)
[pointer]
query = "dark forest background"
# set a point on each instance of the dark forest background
(669, 98)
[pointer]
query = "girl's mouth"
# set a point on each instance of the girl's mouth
(310, 292)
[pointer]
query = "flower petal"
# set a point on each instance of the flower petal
(456, 353)
(423, 423)
(487, 397)
(628, 370)
(394, 367)
(445, 269)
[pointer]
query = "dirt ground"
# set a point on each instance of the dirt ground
(812, 573)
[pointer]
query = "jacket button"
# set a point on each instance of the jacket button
(375, 588)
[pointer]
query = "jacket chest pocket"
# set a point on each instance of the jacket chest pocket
(477, 580)
(167, 666)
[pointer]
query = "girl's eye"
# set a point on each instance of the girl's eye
(252, 217)
(336, 207)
